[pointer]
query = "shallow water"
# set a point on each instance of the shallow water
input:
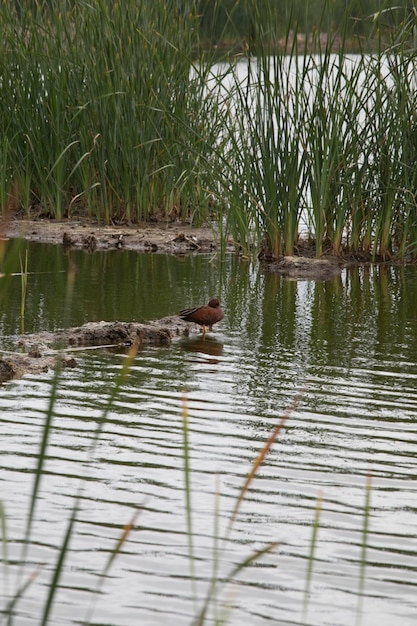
(348, 346)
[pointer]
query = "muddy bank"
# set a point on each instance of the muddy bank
(169, 238)
(304, 268)
(37, 353)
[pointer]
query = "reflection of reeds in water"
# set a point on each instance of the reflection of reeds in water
(23, 284)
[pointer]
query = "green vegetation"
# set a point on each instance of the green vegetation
(228, 21)
(89, 93)
(118, 111)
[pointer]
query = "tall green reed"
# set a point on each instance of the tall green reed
(311, 556)
(119, 111)
(364, 547)
(99, 75)
(23, 285)
(321, 139)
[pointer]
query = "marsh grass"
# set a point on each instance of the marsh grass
(118, 111)
(87, 91)
(316, 140)
(24, 286)
(328, 143)
(364, 547)
(211, 602)
(312, 555)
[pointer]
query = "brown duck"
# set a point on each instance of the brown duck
(206, 315)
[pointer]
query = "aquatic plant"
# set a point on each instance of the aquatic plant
(211, 597)
(87, 89)
(23, 285)
(287, 134)
(323, 142)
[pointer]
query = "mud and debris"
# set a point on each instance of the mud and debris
(37, 353)
(304, 268)
(166, 238)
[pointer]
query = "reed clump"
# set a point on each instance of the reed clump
(119, 111)
(89, 92)
(324, 145)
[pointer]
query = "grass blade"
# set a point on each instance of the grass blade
(187, 493)
(114, 553)
(254, 556)
(311, 556)
(58, 568)
(260, 458)
(3, 528)
(9, 609)
(365, 535)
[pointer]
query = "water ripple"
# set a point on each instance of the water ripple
(352, 425)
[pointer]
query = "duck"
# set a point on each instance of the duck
(205, 315)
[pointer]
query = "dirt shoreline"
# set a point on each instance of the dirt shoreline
(166, 238)
(163, 238)
(37, 353)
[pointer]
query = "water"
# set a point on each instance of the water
(348, 346)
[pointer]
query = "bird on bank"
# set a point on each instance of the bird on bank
(206, 315)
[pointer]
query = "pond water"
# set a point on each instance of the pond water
(349, 346)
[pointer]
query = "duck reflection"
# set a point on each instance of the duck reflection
(209, 346)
